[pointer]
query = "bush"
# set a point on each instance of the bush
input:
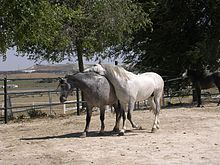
(33, 113)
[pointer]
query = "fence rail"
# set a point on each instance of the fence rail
(16, 93)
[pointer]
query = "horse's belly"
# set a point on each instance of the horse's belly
(143, 95)
(207, 86)
(144, 89)
(135, 90)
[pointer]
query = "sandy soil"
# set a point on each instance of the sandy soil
(187, 136)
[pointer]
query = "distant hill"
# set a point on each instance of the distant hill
(55, 68)
(62, 68)
(52, 68)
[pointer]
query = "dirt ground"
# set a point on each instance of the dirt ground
(188, 135)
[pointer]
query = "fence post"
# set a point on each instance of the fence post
(50, 101)
(5, 100)
(77, 101)
(64, 108)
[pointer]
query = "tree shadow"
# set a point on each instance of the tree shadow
(89, 134)
(178, 105)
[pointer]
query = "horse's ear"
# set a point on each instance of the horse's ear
(100, 62)
(67, 75)
(61, 80)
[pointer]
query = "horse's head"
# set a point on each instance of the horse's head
(66, 89)
(194, 74)
(97, 68)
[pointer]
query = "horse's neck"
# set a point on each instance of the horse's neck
(196, 78)
(78, 84)
(118, 81)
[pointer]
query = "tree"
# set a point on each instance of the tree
(55, 30)
(185, 34)
(30, 26)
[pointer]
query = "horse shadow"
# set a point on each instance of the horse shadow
(89, 134)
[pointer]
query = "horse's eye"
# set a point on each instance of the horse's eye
(62, 85)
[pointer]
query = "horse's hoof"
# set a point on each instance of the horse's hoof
(83, 135)
(140, 128)
(121, 134)
(153, 130)
(101, 133)
(115, 130)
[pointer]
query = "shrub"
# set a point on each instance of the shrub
(33, 113)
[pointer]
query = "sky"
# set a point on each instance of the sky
(14, 62)
(17, 63)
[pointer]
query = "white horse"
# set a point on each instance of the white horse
(130, 88)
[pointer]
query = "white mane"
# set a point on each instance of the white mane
(112, 70)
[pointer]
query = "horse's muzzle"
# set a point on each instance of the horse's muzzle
(62, 99)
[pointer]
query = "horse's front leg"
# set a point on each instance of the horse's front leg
(88, 119)
(102, 118)
(118, 111)
(199, 97)
(129, 116)
(122, 131)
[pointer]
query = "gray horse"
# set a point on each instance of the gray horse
(98, 92)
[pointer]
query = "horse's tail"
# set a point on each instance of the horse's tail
(117, 107)
(162, 102)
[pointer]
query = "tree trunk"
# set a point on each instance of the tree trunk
(79, 51)
(80, 60)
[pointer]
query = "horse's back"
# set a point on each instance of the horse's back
(101, 91)
(158, 80)
(97, 89)
(148, 84)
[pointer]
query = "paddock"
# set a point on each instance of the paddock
(188, 135)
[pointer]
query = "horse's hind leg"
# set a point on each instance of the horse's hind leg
(102, 118)
(155, 103)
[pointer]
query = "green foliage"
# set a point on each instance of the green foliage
(185, 34)
(54, 30)
(164, 36)
(34, 27)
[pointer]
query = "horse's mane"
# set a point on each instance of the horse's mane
(197, 73)
(82, 77)
(120, 71)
